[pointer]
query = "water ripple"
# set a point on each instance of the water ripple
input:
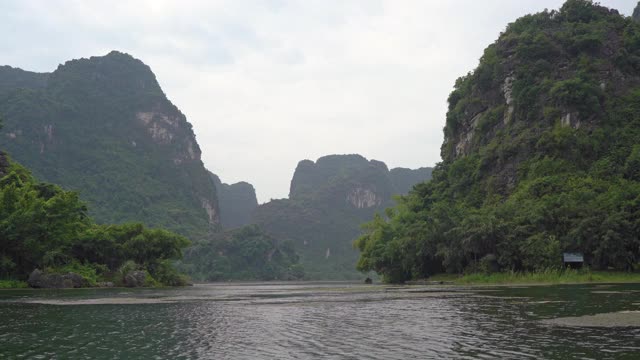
(303, 321)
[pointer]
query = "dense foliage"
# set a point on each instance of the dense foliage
(552, 168)
(246, 253)
(45, 227)
(328, 201)
(103, 126)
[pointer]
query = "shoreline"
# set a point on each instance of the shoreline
(545, 278)
(548, 277)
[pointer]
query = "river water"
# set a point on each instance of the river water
(319, 320)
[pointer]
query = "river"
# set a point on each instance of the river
(322, 320)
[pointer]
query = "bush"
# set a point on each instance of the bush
(13, 284)
(126, 268)
(167, 275)
(579, 94)
(90, 272)
(6, 265)
(489, 264)
(149, 281)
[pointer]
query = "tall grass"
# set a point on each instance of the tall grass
(548, 276)
(12, 284)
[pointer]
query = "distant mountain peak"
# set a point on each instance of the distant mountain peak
(237, 202)
(329, 199)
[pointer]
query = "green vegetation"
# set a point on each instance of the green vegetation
(328, 201)
(247, 253)
(557, 172)
(548, 276)
(13, 284)
(45, 227)
(103, 127)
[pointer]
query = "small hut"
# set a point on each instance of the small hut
(572, 260)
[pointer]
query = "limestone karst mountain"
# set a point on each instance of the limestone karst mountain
(540, 156)
(328, 201)
(236, 201)
(104, 127)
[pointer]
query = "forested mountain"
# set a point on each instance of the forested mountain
(328, 201)
(540, 156)
(245, 253)
(236, 202)
(103, 126)
(13, 78)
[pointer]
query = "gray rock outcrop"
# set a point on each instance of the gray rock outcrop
(135, 278)
(39, 279)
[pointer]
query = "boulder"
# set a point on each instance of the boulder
(77, 281)
(39, 279)
(135, 278)
(105, 284)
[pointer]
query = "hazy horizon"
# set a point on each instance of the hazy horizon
(269, 83)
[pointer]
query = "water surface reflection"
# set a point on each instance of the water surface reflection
(314, 320)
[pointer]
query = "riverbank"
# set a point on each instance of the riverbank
(551, 277)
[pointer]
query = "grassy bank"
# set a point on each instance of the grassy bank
(12, 284)
(567, 276)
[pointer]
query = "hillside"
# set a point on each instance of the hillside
(103, 126)
(328, 200)
(13, 78)
(243, 253)
(540, 156)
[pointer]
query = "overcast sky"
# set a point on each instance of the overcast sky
(268, 83)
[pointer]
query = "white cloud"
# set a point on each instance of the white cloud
(268, 83)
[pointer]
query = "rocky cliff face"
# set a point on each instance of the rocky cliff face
(353, 181)
(529, 82)
(328, 200)
(236, 201)
(104, 127)
(313, 179)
